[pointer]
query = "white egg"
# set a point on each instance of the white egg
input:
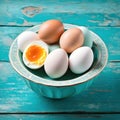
(56, 63)
(26, 38)
(35, 54)
(81, 59)
(88, 39)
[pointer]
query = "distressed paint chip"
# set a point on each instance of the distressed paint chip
(31, 11)
(7, 41)
(93, 106)
(8, 107)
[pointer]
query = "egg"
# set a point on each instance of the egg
(71, 39)
(56, 63)
(26, 38)
(35, 54)
(81, 60)
(50, 31)
(88, 39)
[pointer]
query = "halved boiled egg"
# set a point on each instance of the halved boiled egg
(35, 54)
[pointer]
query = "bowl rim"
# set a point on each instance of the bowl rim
(18, 66)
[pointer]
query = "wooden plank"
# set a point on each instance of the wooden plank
(90, 13)
(60, 117)
(102, 96)
(109, 35)
(7, 35)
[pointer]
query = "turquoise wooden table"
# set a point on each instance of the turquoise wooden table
(101, 100)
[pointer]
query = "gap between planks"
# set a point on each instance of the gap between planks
(70, 112)
(16, 25)
(4, 25)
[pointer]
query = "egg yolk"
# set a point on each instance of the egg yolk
(36, 54)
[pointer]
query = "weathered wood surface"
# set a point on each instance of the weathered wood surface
(101, 100)
(61, 117)
(80, 12)
(102, 96)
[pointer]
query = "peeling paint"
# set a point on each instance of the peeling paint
(115, 52)
(31, 11)
(117, 71)
(7, 107)
(5, 72)
(7, 41)
(105, 23)
(25, 22)
(93, 106)
(115, 67)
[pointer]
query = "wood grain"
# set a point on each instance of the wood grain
(101, 101)
(88, 13)
(60, 117)
(102, 96)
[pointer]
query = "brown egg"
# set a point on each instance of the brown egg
(50, 31)
(71, 39)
